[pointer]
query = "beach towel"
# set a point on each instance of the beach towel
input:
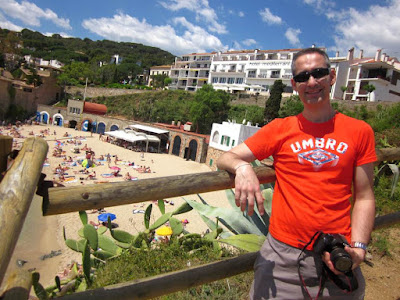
(70, 180)
(107, 175)
(46, 165)
(134, 178)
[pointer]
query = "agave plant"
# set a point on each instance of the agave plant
(243, 231)
(395, 179)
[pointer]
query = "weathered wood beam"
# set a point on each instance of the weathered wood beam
(156, 286)
(5, 149)
(18, 285)
(387, 220)
(16, 192)
(69, 199)
(388, 154)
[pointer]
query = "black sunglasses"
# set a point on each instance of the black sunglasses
(316, 73)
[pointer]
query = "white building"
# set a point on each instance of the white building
(233, 71)
(227, 135)
(159, 70)
(382, 71)
(190, 72)
(254, 71)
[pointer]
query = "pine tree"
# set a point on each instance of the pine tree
(273, 104)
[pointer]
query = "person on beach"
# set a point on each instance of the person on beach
(127, 176)
(322, 158)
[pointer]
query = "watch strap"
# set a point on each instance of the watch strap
(359, 245)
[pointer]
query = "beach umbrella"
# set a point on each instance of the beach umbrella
(104, 217)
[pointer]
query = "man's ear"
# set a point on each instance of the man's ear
(293, 84)
(332, 76)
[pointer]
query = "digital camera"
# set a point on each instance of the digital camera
(334, 244)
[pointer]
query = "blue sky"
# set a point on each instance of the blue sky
(186, 26)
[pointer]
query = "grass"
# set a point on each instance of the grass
(380, 243)
(140, 263)
(384, 202)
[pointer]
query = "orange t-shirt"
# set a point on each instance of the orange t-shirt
(314, 165)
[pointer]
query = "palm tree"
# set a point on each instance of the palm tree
(369, 88)
(344, 89)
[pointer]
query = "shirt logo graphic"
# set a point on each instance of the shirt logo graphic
(318, 158)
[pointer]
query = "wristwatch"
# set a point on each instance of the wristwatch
(359, 245)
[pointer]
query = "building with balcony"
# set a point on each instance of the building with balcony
(354, 73)
(254, 71)
(190, 72)
(159, 70)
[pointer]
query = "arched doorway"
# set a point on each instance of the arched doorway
(192, 150)
(177, 146)
(94, 127)
(114, 127)
(101, 128)
(44, 116)
(87, 125)
(72, 124)
(58, 120)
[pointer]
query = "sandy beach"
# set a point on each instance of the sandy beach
(41, 242)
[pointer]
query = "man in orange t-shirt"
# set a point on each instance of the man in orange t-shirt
(321, 158)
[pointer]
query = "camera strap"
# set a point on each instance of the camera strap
(350, 283)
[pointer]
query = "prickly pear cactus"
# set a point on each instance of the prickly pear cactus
(90, 233)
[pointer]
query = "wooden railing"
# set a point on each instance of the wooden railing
(19, 186)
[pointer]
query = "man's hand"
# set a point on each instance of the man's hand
(247, 189)
(357, 256)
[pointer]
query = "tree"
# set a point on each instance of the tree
(369, 88)
(167, 81)
(273, 104)
(344, 89)
(253, 113)
(209, 106)
(291, 107)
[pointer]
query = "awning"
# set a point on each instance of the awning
(132, 136)
(148, 128)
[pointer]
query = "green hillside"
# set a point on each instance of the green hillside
(135, 57)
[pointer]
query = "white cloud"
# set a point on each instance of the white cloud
(249, 42)
(269, 18)
(202, 10)
(4, 23)
(377, 27)
(236, 46)
(320, 6)
(30, 14)
(124, 28)
(63, 34)
(293, 36)
(241, 14)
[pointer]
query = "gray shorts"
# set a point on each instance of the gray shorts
(276, 275)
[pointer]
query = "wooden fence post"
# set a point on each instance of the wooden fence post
(16, 193)
(5, 149)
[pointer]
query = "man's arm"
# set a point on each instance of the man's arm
(363, 214)
(247, 187)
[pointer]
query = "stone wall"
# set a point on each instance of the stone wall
(187, 139)
(94, 92)
(212, 157)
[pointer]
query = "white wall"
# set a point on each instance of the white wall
(234, 131)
